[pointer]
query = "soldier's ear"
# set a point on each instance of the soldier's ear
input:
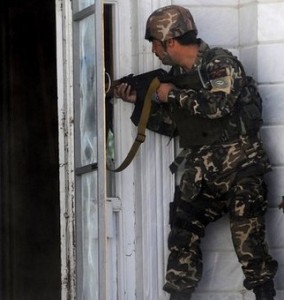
(170, 42)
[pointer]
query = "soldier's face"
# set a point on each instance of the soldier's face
(160, 51)
(157, 48)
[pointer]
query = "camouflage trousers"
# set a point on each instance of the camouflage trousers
(200, 201)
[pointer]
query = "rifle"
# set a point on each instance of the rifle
(193, 79)
(145, 85)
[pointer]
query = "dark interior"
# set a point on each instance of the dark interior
(29, 184)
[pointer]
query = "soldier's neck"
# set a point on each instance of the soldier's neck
(189, 56)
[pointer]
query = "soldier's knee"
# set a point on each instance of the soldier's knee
(248, 210)
(190, 220)
(254, 210)
(182, 239)
(248, 202)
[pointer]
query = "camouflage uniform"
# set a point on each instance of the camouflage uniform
(223, 175)
(217, 180)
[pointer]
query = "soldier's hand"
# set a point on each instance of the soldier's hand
(163, 91)
(125, 92)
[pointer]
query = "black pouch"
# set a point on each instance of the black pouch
(173, 205)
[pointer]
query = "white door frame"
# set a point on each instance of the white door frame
(64, 27)
(66, 147)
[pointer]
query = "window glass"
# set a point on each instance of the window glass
(88, 123)
(85, 3)
(89, 236)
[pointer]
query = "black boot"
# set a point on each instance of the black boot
(180, 296)
(265, 291)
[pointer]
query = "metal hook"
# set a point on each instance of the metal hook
(109, 82)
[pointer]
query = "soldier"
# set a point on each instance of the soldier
(224, 160)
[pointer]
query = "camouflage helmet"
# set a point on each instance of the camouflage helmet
(169, 22)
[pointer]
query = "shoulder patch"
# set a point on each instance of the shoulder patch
(221, 84)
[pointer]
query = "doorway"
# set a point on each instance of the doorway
(29, 184)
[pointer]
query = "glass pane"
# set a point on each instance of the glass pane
(88, 124)
(85, 3)
(89, 224)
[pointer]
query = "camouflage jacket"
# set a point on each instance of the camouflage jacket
(208, 115)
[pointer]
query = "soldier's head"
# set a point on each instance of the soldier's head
(171, 22)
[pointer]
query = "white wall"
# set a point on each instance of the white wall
(261, 50)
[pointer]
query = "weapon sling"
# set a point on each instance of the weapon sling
(140, 138)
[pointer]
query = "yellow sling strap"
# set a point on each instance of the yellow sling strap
(140, 138)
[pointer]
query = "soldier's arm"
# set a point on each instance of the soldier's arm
(226, 79)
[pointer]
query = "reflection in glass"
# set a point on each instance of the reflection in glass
(87, 201)
(88, 125)
(89, 236)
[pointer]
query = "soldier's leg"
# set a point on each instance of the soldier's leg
(247, 209)
(184, 268)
